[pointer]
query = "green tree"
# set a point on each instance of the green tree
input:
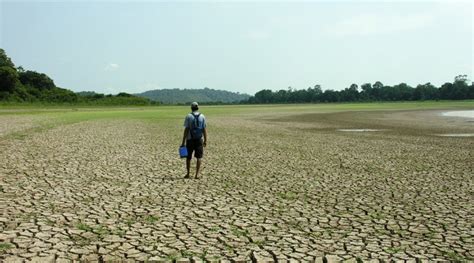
(446, 90)
(460, 87)
(377, 85)
(36, 80)
(315, 93)
(264, 96)
(58, 95)
(461, 78)
(352, 93)
(403, 91)
(330, 96)
(471, 91)
(5, 61)
(8, 79)
(457, 90)
(425, 92)
(376, 91)
(366, 93)
(124, 94)
(281, 96)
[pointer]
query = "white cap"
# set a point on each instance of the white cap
(194, 105)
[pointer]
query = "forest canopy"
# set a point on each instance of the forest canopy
(459, 89)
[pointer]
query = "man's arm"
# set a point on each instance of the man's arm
(185, 135)
(205, 137)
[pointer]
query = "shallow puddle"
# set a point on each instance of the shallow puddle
(456, 135)
(359, 130)
(460, 113)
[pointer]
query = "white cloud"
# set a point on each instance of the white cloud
(373, 24)
(111, 67)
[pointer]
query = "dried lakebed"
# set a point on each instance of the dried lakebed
(110, 190)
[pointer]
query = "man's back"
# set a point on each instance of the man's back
(190, 122)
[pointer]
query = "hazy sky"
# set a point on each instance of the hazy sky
(238, 46)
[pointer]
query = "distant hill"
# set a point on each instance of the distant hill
(206, 95)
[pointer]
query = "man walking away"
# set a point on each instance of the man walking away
(194, 129)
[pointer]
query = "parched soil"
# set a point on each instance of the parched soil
(292, 189)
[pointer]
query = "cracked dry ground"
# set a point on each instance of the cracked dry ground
(112, 190)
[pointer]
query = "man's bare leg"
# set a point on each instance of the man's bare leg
(188, 166)
(198, 166)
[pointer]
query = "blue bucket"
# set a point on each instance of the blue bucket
(183, 152)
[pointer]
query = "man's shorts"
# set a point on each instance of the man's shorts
(196, 147)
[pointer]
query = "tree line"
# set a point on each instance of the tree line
(20, 85)
(459, 89)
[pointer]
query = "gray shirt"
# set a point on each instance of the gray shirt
(190, 119)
